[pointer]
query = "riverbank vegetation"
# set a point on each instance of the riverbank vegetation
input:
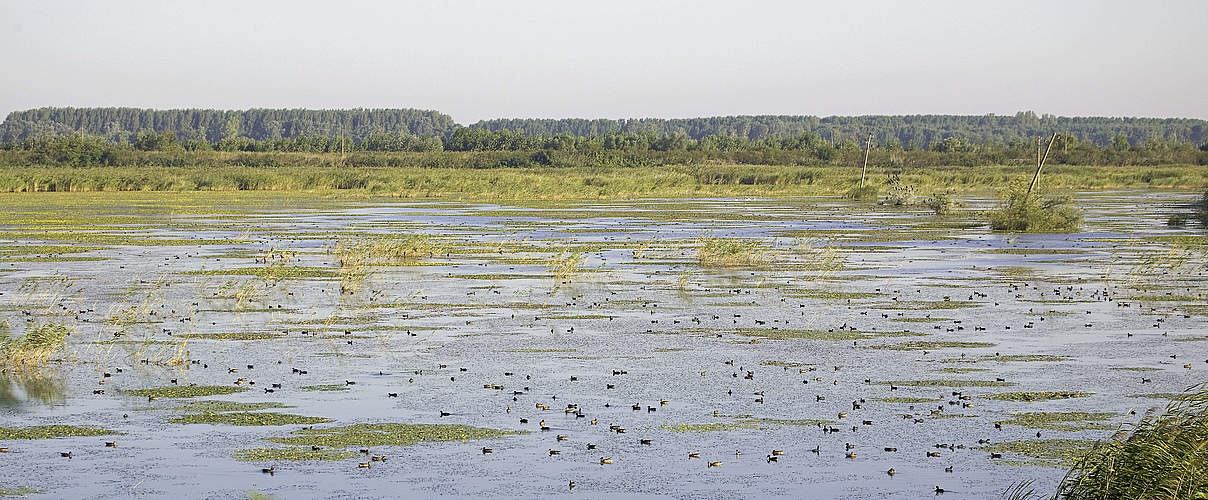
(725, 180)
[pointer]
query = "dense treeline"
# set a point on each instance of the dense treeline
(416, 130)
(124, 125)
(474, 148)
(907, 132)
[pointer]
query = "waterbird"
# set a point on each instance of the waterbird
(891, 471)
(604, 460)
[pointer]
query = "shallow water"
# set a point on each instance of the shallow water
(642, 304)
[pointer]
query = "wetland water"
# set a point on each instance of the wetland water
(852, 340)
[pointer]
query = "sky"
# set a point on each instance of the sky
(613, 59)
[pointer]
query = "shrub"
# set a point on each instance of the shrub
(942, 203)
(1030, 213)
(900, 193)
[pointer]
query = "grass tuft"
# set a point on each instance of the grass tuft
(34, 348)
(732, 252)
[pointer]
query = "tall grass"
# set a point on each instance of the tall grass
(574, 182)
(34, 348)
(386, 250)
(1164, 457)
(357, 256)
(1026, 212)
(566, 264)
(732, 252)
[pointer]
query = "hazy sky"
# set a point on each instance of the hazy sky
(613, 59)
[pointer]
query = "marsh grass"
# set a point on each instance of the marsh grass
(1025, 212)
(732, 252)
(34, 348)
(566, 265)
(358, 256)
(1164, 456)
(865, 193)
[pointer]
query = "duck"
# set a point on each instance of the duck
(715, 464)
(553, 452)
(891, 471)
(604, 460)
(486, 450)
(269, 470)
(693, 455)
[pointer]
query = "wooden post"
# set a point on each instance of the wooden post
(864, 171)
(1040, 161)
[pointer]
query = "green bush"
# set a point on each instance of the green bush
(1033, 213)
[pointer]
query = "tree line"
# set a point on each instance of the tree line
(126, 125)
(477, 148)
(419, 130)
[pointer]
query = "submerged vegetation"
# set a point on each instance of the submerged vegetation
(387, 434)
(185, 391)
(1037, 396)
(50, 432)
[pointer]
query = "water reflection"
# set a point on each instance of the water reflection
(18, 388)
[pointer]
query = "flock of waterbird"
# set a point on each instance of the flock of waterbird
(799, 388)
